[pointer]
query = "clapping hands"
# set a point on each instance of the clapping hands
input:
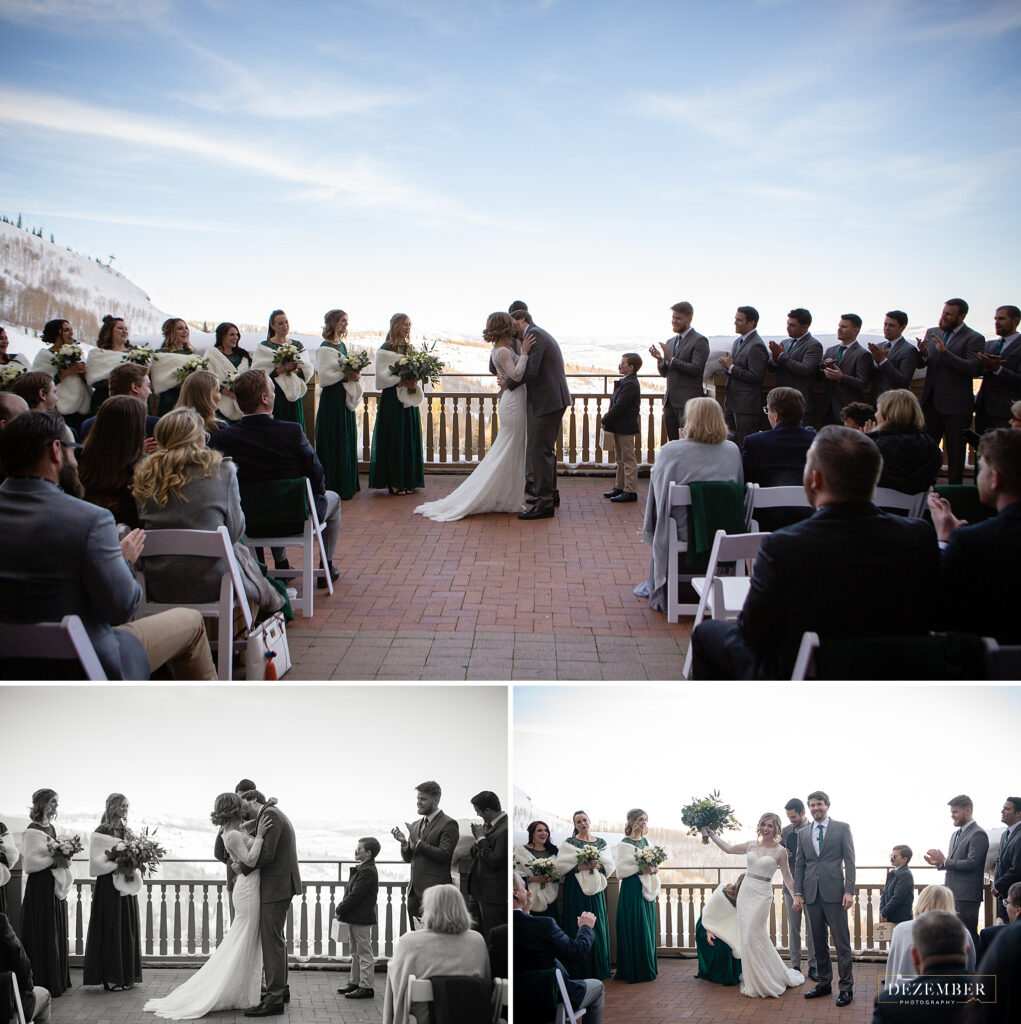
(132, 544)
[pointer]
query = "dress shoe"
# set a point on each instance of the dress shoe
(537, 513)
(813, 973)
(346, 989)
(624, 496)
(287, 995)
(282, 564)
(265, 1011)
(844, 999)
(334, 575)
(818, 991)
(556, 500)
(613, 493)
(361, 993)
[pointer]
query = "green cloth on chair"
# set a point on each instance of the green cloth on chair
(964, 502)
(715, 505)
(941, 656)
(536, 995)
(275, 508)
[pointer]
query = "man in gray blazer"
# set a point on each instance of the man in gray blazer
(682, 361)
(796, 362)
(964, 863)
(62, 557)
(824, 883)
(894, 361)
(847, 368)
(745, 367)
(548, 397)
(948, 398)
(1001, 376)
(1008, 857)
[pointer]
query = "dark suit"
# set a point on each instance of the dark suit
(965, 867)
(902, 1008)
(487, 880)
(898, 895)
(1001, 389)
(684, 371)
(622, 417)
(14, 959)
(430, 861)
(540, 945)
(981, 569)
(897, 370)
(797, 585)
(948, 399)
(798, 365)
(359, 903)
(776, 458)
(742, 404)
(856, 366)
(1008, 868)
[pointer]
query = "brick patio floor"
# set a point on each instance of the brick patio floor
(314, 1000)
(677, 995)
(488, 597)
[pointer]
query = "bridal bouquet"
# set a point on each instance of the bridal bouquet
(545, 868)
(67, 356)
(419, 364)
(354, 362)
(587, 855)
(288, 353)
(141, 354)
(64, 846)
(227, 384)
(709, 812)
(650, 857)
(137, 852)
(189, 366)
(9, 374)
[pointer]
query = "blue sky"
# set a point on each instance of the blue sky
(600, 160)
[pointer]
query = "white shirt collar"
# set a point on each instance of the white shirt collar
(429, 817)
(684, 334)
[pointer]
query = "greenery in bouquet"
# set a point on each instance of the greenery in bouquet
(189, 366)
(289, 353)
(140, 354)
(64, 846)
(67, 356)
(709, 812)
(9, 374)
(587, 853)
(650, 856)
(355, 361)
(545, 868)
(137, 852)
(228, 382)
(419, 364)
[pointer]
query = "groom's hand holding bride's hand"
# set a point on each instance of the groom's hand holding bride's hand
(798, 904)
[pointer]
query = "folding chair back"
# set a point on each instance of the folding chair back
(786, 496)
(571, 1016)
(499, 998)
(420, 990)
(680, 496)
(911, 505)
(66, 640)
(11, 1009)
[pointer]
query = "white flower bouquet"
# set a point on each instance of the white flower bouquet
(67, 356)
(227, 384)
(9, 374)
(189, 366)
(64, 846)
(136, 852)
(709, 812)
(650, 857)
(140, 354)
(289, 353)
(545, 868)
(354, 362)
(419, 364)
(587, 856)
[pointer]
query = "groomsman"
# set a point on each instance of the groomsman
(894, 361)
(429, 847)
(487, 880)
(899, 892)
(745, 367)
(847, 369)
(1001, 376)
(795, 810)
(796, 362)
(682, 361)
(1008, 857)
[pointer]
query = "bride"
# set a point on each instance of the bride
(232, 976)
(762, 971)
(497, 483)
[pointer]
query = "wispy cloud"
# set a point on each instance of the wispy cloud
(977, 20)
(28, 11)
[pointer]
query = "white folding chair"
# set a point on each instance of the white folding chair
(786, 496)
(310, 536)
(723, 597)
(566, 1014)
(9, 983)
(499, 998)
(206, 544)
(804, 664)
(911, 504)
(66, 640)
(420, 990)
(680, 495)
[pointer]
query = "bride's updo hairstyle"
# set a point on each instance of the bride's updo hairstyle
(331, 322)
(632, 819)
(575, 815)
(498, 328)
(226, 808)
(771, 817)
(105, 338)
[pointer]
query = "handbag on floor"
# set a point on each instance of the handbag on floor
(267, 655)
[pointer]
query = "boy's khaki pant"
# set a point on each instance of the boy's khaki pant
(627, 464)
(362, 960)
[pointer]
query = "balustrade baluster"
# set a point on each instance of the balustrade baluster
(455, 451)
(177, 920)
(191, 918)
(856, 911)
(584, 429)
(367, 429)
(572, 436)
(317, 925)
(494, 425)
(78, 922)
(691, 915)
(331, 945)
(772, 916)
(467, 428)
(650, 455)
(219, 913)
(443, 430)
(163, 920)
(303, 922)
(670, 939)
(388, 937)
(600, 433)
(869, 930)
(205, 920)
(430, 451)
(148, 920)
(480, 443)
(289, 930)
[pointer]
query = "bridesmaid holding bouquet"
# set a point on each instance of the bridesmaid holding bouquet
(227, 359)
(336, 425)
(636, 905)
(289, 375)
(544, 890)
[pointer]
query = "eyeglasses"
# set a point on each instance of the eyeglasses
(71, 444)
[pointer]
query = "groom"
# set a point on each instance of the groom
(824, 881)
(279, 881)
(548, 397)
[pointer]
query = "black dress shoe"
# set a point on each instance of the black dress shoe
(361, 993)
(624, 496)
(334, 576)
(265, 1011)
(818, 991)
(613, 493)
(813, 973)
(282, 564)
(844, 999)
(537, 513)
(346, 989)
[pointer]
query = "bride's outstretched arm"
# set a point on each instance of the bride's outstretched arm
(726, 847)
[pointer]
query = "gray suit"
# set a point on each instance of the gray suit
(798, 365)
(897, 370)
(743, 402)
(62, 557)
(1008, 867)
(822, 879)
(999, 390)
(683, 371)
(965, 868)
(856, 365)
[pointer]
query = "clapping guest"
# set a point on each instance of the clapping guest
(113, 448)
(487, 881)
(175, 351)
(289, 379)
(858, 416)
(44, 910)
(111, 344)
(543, 889)
(847, 369)
(636, 904)
(1007, 871)
(227, 358)
(336, 426)
(899, 963)
(358, 910)
(113, 949)
(911, 458)
(73, 395)
(899, 892)
(201, 392)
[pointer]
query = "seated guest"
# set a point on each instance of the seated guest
(201, 392)
(1012, 905)
(35, 1000)
(1001, 961)
(267, 449)
(792, 587)
(858, 416)
(940, 941)
(911, 458)
(541, 945)
(186, 486)
(109, 456)
(1015, 416)
(701, 453)
(982, 563)
(10, 407)
(129, 379)
(899, 892)
(62, 557)
(899, 962)
(38, 390)
(445, 945)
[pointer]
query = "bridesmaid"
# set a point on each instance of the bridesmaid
(636, 905)
(175, 351)
(44, 911)
(396, 462)
(227, 357)
(586, 890)
(336, 425)
(544, 890)
(6, 357)
(113, 949)
(289, 379)
(108, 353)
(73, 395)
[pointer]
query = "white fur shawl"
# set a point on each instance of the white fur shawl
(544, 894)
(291, 384)
(38, 858)
(627, 865)
(99, 364)
(220, 365)
(163, 369)
(591, 882)
(719, 916)
(73, 395)
(385, 358)
(12, 854)
(329, 372)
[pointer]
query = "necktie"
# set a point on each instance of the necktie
(954, 841)
(787, 347)
(677, 344)
(946, 336)
(740, 342)
(820, 838)
(840, 354)
(999, 347)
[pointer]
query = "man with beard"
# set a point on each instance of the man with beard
(62, 557)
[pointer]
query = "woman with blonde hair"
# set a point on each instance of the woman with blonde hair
(701, 453)
(339, 395)
(636, 904)
(911, 458)
(763, 973)
(201, 392)
(175, 351)
(184, 485)
(445, 945)
(898, 958)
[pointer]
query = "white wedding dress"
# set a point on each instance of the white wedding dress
(498, 482)
(231, 979)
(763, 973)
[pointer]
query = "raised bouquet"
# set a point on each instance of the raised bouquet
(709, 812)
(189, 366)
(650, 857)
(64, 846)
(9, 374)
(136, 852)
(586, 855)
(140, 354)
(354, 362)
(288, 353)
(419, 364)
(544, 868)
(67, 356)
